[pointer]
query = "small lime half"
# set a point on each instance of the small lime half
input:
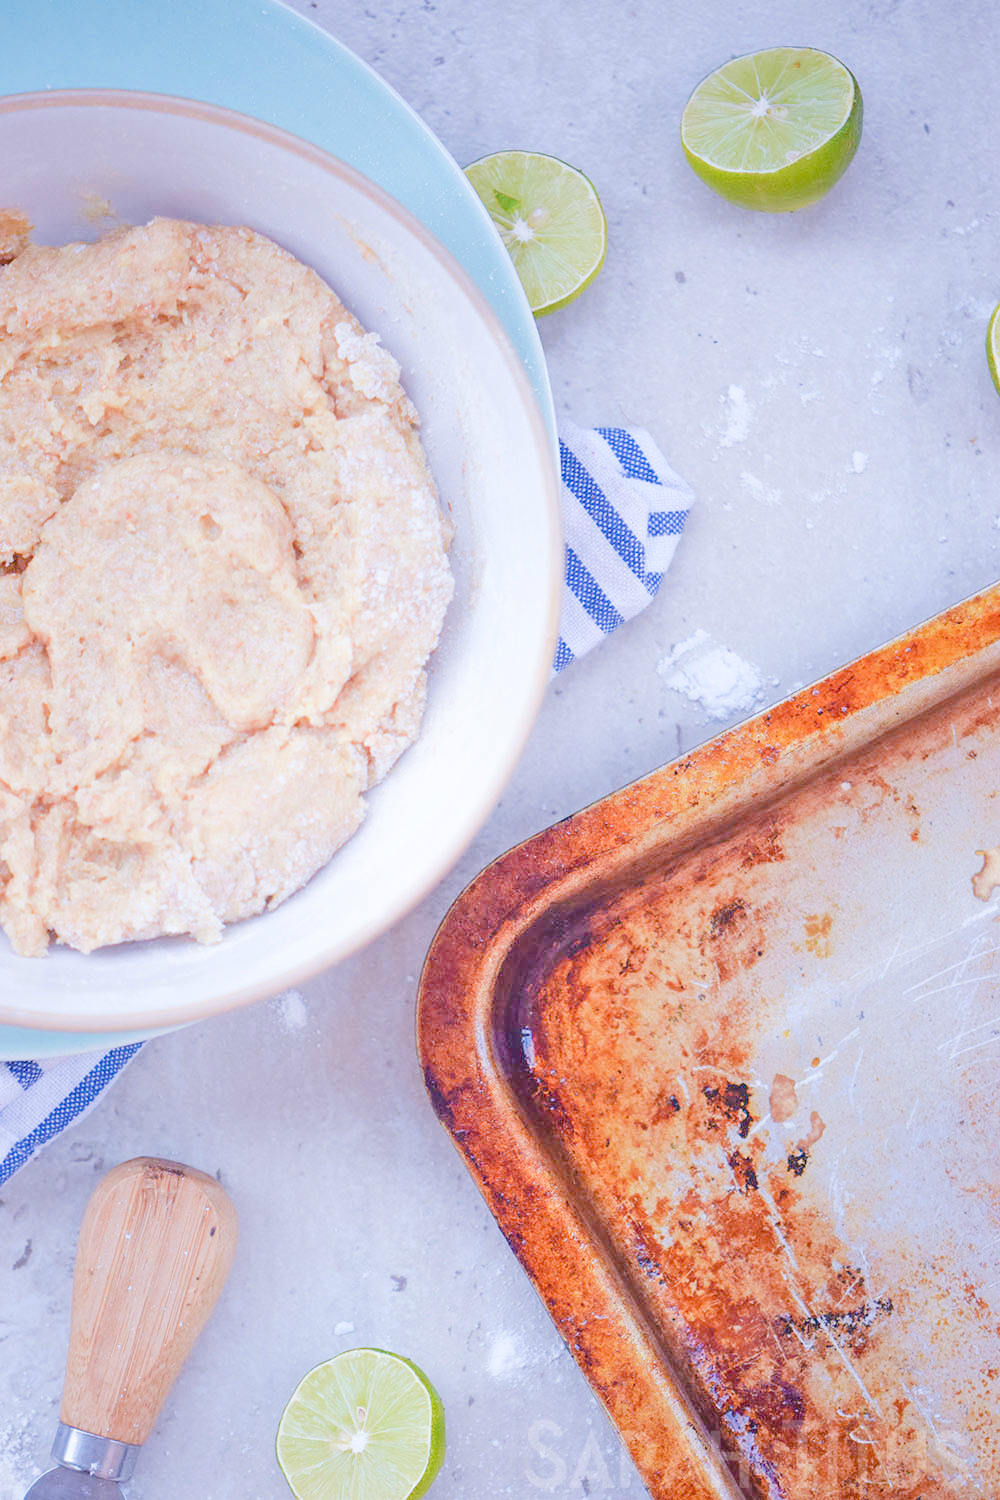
(365, 1425)
(992, 342)
(774, 130)
(550, 219)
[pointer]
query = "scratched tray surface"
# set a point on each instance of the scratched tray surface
(780, 1099)
(764, 1070)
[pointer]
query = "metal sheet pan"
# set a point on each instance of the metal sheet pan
(722, 1054)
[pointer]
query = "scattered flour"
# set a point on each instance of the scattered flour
(292, 1010)
(759, 489)
(738, 416)
(17, 1460)
(505, 1356)
(712, 676)
(859, 462)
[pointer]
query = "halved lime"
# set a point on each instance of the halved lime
(365, 1425)
(775, 129)
(992, 342)
(549, 217)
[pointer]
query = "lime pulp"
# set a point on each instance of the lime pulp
(549, 217)
(364, 1425)
(774, 130)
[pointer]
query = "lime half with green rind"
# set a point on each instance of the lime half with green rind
(992, 341)
(774, 130)
(549, 217)
(364, 1425)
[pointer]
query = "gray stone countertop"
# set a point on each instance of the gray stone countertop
(820, 380)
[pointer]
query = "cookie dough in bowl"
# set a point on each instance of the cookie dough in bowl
(223, 568)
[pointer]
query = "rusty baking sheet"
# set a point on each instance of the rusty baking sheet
(722, 1054)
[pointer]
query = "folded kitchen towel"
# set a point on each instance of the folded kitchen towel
(624, 509)
(39, 1099)
(623, 512)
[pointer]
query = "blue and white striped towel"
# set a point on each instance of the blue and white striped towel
(624, 509)
(39, 1099)
(623, 512)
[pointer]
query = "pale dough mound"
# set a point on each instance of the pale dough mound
(222, 571)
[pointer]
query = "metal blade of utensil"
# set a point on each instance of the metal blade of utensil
(70, 1484)
(155, 1248)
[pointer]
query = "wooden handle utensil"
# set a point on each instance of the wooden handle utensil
(155, 1247)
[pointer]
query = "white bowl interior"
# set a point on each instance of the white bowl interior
(66, 158)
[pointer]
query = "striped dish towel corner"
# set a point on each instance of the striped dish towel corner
(39, 1099)
(624, 509)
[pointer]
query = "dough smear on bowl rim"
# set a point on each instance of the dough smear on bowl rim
(223, 568)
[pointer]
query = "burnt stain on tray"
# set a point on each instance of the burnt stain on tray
(671, 1168)
(646, 1043)
(647, 1101)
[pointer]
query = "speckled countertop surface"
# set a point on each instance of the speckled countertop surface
(820, 380)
